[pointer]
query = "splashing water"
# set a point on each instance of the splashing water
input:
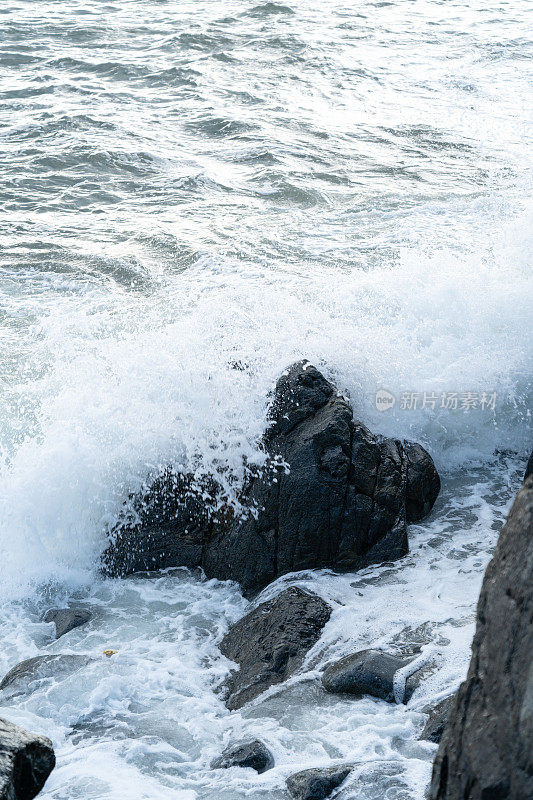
(190, 186)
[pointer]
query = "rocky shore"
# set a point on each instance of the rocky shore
(333, 495)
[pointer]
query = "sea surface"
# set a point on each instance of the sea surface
(191, 186)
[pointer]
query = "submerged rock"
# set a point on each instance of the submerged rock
(368, 672)
(19, 679)
(486, 751)
(26, 761)
(334, 496)
(270, 643)
(316, 784)
(66, 619)
(252, 754)
(438, 718)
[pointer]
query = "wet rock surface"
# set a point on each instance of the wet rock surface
(369, 672)
(26, 761)
(334, 496)
(19, 679)
(252, 754)
(438, 717)
(66, 619)
(270, 643)
(316, 784)
(486, 751)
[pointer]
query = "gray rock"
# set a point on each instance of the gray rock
(252, 754)
(486, 751)
(334, 496)
(369, 672)
(316, 784)
(26, 761)
(438, 718)
(270, 643)
(19, 679)
(66, 619)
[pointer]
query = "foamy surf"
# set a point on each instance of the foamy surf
(194, 198)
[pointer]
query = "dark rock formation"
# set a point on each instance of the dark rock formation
(486, 751)
(316, 784)
(271, 641)
(368, 672)
(26, 761)
(66, 619)
(253, 754)
(334, 496)
(438, 718)
(19, 679)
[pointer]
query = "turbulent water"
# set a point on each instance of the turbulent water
(190, 186)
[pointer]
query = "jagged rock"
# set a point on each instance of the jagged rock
(486, 751)
(19, 679)
(66, 619)
(334, 496)
(26, 761)
(438, 718)
(253, 754)
(367, 672)
(316, 784)
(270, 643)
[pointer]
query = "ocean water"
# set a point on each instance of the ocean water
(189, 186)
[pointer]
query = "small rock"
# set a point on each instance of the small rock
(271, 641)
(368, 672)
(316, 784)
(437, 720)
(22, 675)
(66, 619)
(26, 761)
(252, 754)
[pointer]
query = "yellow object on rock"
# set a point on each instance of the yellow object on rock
(110, 653)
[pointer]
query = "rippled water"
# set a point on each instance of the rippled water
(189, 185)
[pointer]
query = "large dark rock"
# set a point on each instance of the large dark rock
(334, 496)
(486, 751)
(438, 717)
(26, 761)
(270, 643)
(252, 754)
(20, 678)
(316, 784)
(66, 619)
(368, 672)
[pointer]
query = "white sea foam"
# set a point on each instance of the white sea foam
(195, 196)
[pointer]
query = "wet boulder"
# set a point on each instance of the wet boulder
(247, 754)
(26, 761)
(66, 619)
(20, 679)
(438, 717)
(316, 784)
(270, 642)
(333, 495)
(486, 750)
(369, 672)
